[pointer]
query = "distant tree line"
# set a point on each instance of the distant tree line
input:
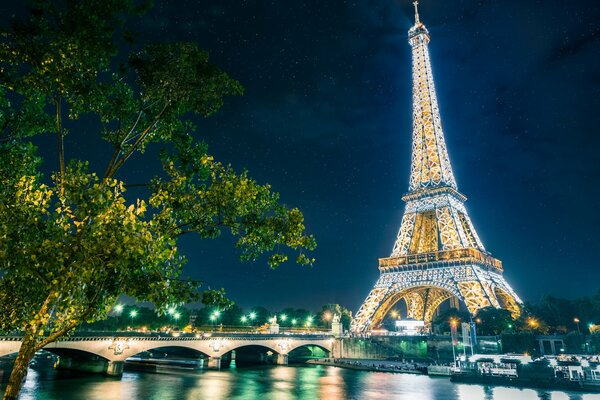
(578, 319)
(123, 317)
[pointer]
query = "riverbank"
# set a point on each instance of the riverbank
(373, 365)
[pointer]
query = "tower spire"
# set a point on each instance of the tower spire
(416, 4)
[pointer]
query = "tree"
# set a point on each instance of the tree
(441, 323)
(73, 240)
(575, 343)
(325, 316)
(493, 321)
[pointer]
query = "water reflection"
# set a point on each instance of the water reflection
(270, 383)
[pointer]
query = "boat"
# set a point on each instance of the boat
(577, 373)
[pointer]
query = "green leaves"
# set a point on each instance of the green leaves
(187, 203)
(194, 85)
(73, 241)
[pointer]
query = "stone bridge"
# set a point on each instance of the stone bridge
(117, 348)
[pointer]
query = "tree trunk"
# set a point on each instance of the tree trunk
(19, 370)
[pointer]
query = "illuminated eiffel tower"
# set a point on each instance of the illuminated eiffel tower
(437, 256)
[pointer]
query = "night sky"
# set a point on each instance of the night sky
(326, 119)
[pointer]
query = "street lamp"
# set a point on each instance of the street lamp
(576, 320)
(532, 322)
(453, 324)
(119, 308)
(252, 316)
(294, 321)
(244, 319)
(133, 314)
(309, 321)
(283, 317)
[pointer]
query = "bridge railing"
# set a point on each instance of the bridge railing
(183, 337)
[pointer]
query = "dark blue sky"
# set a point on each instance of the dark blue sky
(326, 120)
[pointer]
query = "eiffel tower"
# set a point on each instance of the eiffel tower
(438, 255)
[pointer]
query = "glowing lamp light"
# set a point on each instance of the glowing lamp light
(244, 318)
(177, 315)
(133, 313)
(283, 317)
(252, 315)
(294, 321)
(119, 308)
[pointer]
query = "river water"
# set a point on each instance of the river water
(269, 382)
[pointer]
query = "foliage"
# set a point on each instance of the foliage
(531, 323)
(73, 241)
(325, 316)
(441, 323)
(575, 343)
(493, 321)
(560, 313)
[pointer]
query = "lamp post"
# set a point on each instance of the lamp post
(453, 328)
(214, 316)
(118, 311)
(576, 320)
(309, 321)
(133, 314)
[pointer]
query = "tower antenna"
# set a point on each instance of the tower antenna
(416, 4)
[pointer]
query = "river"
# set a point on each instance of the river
(269, 382)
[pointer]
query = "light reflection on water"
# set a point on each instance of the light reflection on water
(271, 383)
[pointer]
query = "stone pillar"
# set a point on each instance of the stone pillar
(214, 362)
(282, 359)
(337, 350)
(114, 368)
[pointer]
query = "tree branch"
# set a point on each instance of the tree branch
(59, 133)
(137, 143)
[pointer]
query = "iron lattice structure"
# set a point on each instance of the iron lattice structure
(437, 255)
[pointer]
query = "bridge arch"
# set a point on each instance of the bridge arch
(165, 346)
(75, 353)
(250, 344)
(319, 345)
